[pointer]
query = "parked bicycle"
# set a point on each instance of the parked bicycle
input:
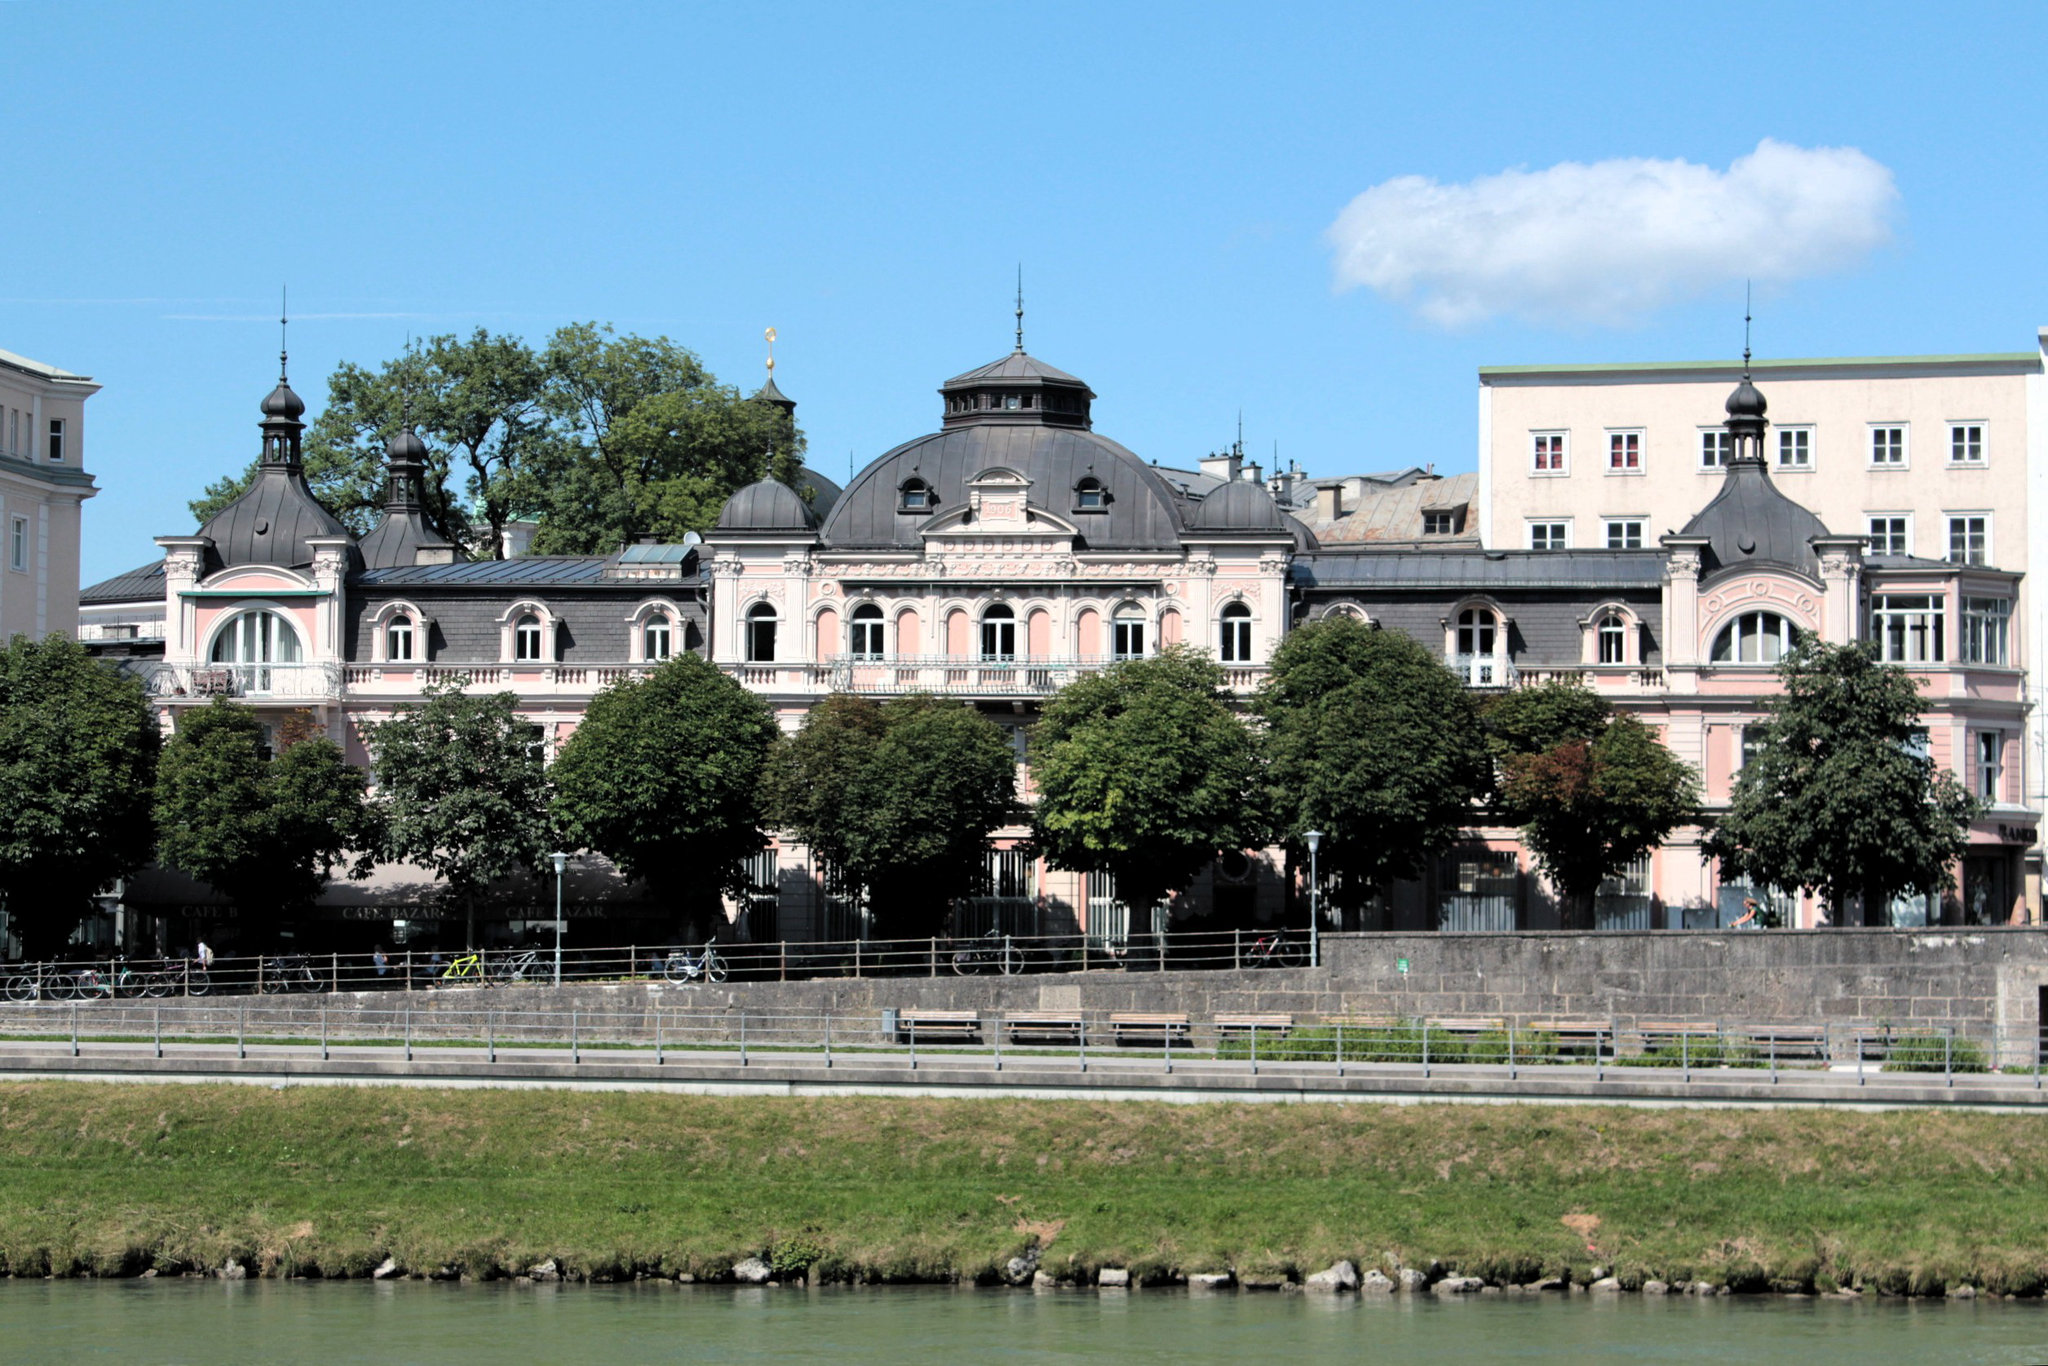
(26, 984)
(286, 972)
(516, 965)
(681, 967)
(1275, 950)
(992, 952)
(464, 968)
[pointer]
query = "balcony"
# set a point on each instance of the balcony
(249, 682)
(947, 675)
(529, 679)
(1483, 671)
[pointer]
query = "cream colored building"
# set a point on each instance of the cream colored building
(1925, 457)
(43, 484)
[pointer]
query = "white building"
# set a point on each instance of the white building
(42, 485)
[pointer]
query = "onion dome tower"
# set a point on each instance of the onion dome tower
(272, 521)
(405, 534)
(1750, 521)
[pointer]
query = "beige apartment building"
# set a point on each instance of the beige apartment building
(43, 485)
(1928, 458)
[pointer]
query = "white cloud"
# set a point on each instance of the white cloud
(1610, 242)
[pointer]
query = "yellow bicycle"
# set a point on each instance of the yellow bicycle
(468, 967)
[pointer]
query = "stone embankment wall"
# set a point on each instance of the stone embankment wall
(1984, 983)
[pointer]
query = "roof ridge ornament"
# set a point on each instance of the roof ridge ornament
(1020, 308)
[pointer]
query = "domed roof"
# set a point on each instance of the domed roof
(1241, 506)
(284, 402)
(1746, 401)
(1751, 522)
(766, 505)
(271, 522)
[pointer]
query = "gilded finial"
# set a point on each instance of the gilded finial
(1020, 308)
(770, 335)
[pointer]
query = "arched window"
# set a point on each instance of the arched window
(657, 638)
(251, 641)
(864, 632)
(1753, 638)
(528, 639)
(1090, 496)
(1613, 639)
(1127, 633)
(916, 495)
(999, 633)
(1237, 634)
(398, 639)
(1479, 648)
(761, 633)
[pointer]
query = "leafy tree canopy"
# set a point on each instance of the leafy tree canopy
(1841, 797)
(1145, 771)
(1370, 739)
(461, 790)
(78, 750)
(600, 437)
(899, 799)
(663, 777)
(265, 828)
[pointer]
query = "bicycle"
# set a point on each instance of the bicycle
(26, 986)
(466, 967)
(992, 951)
(287, 973)
(1275, 950)
(515, 965)
(679, 966)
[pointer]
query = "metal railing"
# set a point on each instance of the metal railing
(1848, 1060)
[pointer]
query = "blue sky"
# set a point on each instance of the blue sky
(866, 179)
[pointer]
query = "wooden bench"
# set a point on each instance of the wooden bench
(957, 1026)
(1131, 1027)
(1576, 1034)
(1363, 1021)
(1043, 1026)
(1469, 1025)
(1267, 1026)
(1665, 1031)
(1801, 1043)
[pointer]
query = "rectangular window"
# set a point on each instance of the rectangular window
(1624, 533)
(1127, 638)
(13, 431)
(1437, 523)
(1969, 538)
(1891, 533)
(1987, 630)
(1547, 452)
(1716, 445)
(1888, 447)
(56, 439)
(1907, 627)
(1548, 535)
(1991, 765)
(1965, 443)
(1750, 743)
(1624, 452)
(1795, 448)
(17, 544)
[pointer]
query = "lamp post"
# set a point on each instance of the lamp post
(1315, 910)
(561, 862)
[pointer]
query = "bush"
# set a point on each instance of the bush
(1934, 1053)
(1715, 1051)
(1392, 1043)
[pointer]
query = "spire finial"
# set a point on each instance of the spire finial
(770, 335)
(284, 317)
(1020, 308)
(1745, 329)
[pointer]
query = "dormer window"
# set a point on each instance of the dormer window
(915, 495)
(1437, 523)
(527, 638)
(398, 639)
(1091, 496)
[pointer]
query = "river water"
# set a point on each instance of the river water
(135, 1322)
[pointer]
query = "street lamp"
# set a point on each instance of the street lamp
(1315, 911)
(561, 862)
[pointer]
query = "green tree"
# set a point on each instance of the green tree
(898, 799)
(1592, 791)
(78, 750)
(267, 828)
(649, 441)
(1370, 739)
(461, 791)
(663, 777)
(1145, 771)
(1841, 798)
(476, 402)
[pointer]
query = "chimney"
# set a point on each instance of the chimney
(518, 538)
(1329, 501)
(1222, 465)
(1252, 473)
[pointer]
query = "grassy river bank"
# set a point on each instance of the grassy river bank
(126, 1179)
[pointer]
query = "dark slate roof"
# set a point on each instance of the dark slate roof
(824, 492)
(398, 538)
(144, 584)
(1481, 569)
(1240, 506)
(1015, 366)
(1145, 512)
(1750, 521)
(766, 505)
(270, 523)
(525, 571)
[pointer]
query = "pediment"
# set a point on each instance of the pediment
(256, 578)
(996, 516)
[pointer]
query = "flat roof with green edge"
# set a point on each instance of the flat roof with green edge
(1994, 360)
